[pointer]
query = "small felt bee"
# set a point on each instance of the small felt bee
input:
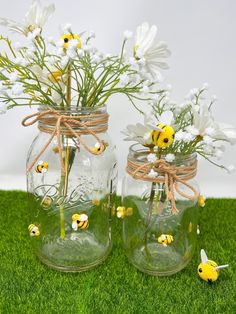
(42, 167)
(208, 270)
(55, 76)
(33, 230)
(201, 201)
(46, 202)
(96, 202)
(80, 221)
(98, 148)
(162, 136)
(122, 212)
(165, 239)
(66, 38)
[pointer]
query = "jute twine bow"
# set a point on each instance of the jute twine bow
(56, 124)
(169, 174)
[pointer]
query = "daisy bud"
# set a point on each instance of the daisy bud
(230, 169)
(127, 34)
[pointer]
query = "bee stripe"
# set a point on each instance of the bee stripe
(159, 133)
(83, 224)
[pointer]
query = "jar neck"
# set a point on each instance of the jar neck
(138, 155)
(82, 120)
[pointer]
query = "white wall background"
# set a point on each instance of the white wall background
(201, 36)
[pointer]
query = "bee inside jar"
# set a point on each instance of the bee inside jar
(80, 222)
(42, 167)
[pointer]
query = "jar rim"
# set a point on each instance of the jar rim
(75, 111)
(137, 150)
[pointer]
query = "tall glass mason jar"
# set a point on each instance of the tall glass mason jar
(70, 206)
(158, 240)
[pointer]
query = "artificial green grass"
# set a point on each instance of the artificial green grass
(27, 286)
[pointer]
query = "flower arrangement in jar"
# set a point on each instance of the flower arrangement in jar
(160, 193)
(71, 165)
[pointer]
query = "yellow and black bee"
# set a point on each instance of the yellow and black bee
(99, 148)
(164, 138)
(122, 212)
(208, 270)
(66, 38)
(46, 202)
(80, 221)
(42, 167)
(165, 239)
(201, 201)
(33, 230)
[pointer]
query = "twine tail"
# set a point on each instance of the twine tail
(58, 134)
(173, 203)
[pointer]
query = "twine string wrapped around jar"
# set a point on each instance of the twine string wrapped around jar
(59, 124)
(170, 175)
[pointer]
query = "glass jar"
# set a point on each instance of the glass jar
(70, 206)
(158, 240)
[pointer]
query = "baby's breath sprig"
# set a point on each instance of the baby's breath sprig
(72, 71)
(195, 130)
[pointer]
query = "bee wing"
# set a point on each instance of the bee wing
(204, 257)
(154, 127)
(83, 217)
(97, 145)
(44, 170)
(167, 117)
(163, 237)
(40, 162)
(74, 225)
(221, 266)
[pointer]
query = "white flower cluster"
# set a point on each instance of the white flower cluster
(40, 67)
(196, 130)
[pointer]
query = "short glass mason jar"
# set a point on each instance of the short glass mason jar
(70, 210)
(157, 240)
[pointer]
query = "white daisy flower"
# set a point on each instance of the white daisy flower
(208, 140)
(170, 157)
(151, 158)
(202, 120)
(152, 53)
(225, 132)
(191, 129)
(36, 17)
(152, 174)
(141, 133)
